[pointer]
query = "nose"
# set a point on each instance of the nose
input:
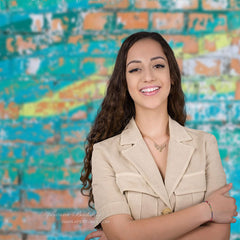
(148, 75)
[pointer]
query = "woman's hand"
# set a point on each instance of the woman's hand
(95, 234)
(224, 207)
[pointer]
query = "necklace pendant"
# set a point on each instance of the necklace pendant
(160, 148)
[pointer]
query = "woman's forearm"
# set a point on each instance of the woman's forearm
(208, 232)
(166, 227)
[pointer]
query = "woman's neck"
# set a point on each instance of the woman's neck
(153, 124)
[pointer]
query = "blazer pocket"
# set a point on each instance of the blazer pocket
(191, 190)
(135, 189)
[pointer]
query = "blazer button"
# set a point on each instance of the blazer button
(166, 211)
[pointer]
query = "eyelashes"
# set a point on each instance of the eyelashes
(134, 70)
(159, 66)
(156, 66)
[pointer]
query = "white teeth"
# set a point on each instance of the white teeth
(149, 89)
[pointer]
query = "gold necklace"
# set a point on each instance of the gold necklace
(159, 147)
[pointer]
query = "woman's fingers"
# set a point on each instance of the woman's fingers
(225, 188)
(233, 220)
(95, 234)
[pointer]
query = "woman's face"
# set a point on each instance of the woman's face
(147, 75)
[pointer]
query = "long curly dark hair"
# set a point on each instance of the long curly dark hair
(118, 107)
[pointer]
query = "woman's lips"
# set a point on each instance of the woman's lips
(149, 91)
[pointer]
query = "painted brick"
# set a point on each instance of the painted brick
(237, 92)
(2, 5)
(235, 4)
(151, 4)
(64, 22)
(25, 221)
(52, 155)
(205, 66)
(169, 5)
(190, 90)
(116, 4)
(4, 20)
(168, 21)
(233, 20)
(203, 22)
(4, 69)
(215, 4)
(74, 133)
(92, 47)
(10, 237)
(98, 65)
(233, 136)
(207, 112)
(35, 6)
(36, 237)
(235, 67)
(9, 112)
(132, 20)
(15, 93)
(53, 75)
(13, 154)
(54, 199)
(217, 89)
(51, 177)
(235, 112)
(76, 222)
(78, 237)
(22, 22)
(97, 21)
(219, 44)
(187, 44)
(25, 132)
(97, 4)
(9, 198)
(8, 176)
(219, 130)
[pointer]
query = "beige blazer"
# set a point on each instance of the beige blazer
(126, 179)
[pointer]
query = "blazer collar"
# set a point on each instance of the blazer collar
(179, 155)
(131, 133)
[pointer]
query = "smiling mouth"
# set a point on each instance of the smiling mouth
(149, 90)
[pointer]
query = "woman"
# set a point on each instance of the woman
(153, 178)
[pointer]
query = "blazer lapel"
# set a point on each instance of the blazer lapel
(179, 155)
(137, 152)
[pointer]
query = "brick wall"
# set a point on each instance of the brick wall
(55, 59)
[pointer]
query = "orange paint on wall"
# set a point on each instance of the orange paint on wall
(95, 21)
(14, 3)
(10, 48)
(200, 21)
(210, 45)
(75, 39)
(61, 61)
(25, 45)
(38, 25)
(235, 65)
(117, 4)
(147, 4)
(57, 24)
(206, 70)
(237, 92)
(133, 20)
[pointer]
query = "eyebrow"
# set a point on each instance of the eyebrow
(154, 58)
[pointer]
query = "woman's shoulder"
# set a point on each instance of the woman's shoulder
(109, 142)
(200, 134)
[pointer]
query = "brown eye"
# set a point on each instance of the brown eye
(159, 66)
(134, 70)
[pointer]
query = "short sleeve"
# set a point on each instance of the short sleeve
(215, 175)
(108, 200)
